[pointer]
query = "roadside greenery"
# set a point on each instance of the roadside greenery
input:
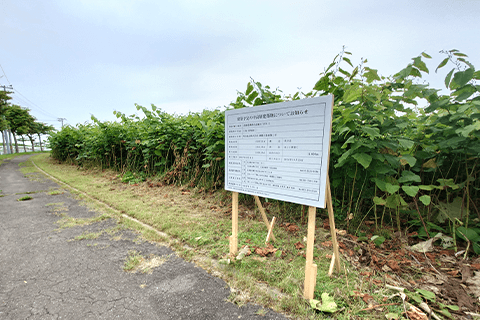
(403, 154)
(20, 122)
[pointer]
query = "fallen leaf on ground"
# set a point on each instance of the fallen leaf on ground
(327, 243)
(299, 245)
(474, 284)
(265, 251)
(393, 265)
(415, 313)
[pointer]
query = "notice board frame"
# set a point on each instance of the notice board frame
(236, 130)
(280, 151)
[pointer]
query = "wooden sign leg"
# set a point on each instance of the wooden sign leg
(270, 230)
(264, 216)
(331, 218)
(234, 236)
(310, 267)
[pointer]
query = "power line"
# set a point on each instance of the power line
(5, 75)
(34, 104)
(31, 102)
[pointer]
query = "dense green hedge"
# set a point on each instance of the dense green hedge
(400, 150)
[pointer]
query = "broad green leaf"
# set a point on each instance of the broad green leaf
(390, 188)
(425, 199)
(464, 92)
(452, 307)
(348, 61)
(373, 132)
(426, 294)
(448, 183)
(379, 201)
(411, 160)
(451, 210)
(395, 201)
(417, 62)
(322, 84)
(437, 104)
(346, 73)
(448, 78)
(410, 190)
(326, 305)
(378, 240)
(406, 144)
(258, 102)
(381, 184)
(343, 158)
(402, 74)
(409, 176)
(349, 140)
(446, 313)
(465, 131)
(462, 77)
(363, 158)
(425, 55)
(471, 234)
(251, 97)
(352, 93)
(415, 72)
(249, 89)
(382, 168)
(427, 187)
(371, 75)
(459, 54)
(442, 64)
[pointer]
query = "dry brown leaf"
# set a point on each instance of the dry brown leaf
(393, 264)
(415, 313)
(327, 243)
(299, 245)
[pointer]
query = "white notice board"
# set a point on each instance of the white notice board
(280, 151)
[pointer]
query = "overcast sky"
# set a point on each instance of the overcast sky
(70, 59)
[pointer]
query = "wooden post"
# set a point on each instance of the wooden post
(262, 211)
(234, 236)
(270, 230)
(331, 218)
(310, 267)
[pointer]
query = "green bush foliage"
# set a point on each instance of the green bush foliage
(401, 152)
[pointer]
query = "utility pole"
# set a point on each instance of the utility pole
(6, 148)
(61, 120)
(10, 87)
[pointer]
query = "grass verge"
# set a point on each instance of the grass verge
(199, 225)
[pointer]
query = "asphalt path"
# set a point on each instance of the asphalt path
(45, 273)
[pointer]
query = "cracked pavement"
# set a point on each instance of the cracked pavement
(46, 274)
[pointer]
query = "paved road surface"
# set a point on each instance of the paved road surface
(45, 274)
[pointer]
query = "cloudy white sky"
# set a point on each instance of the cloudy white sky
(73, 58)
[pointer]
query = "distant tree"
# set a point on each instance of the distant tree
(4, 97)
(39, 128)
(19, 121)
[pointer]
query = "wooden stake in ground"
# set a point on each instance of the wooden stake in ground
(264, 216)
(270, 230)
(310, 267)
(331, 218)
(234, 236)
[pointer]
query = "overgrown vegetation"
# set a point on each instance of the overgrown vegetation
(403, 154)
